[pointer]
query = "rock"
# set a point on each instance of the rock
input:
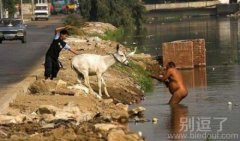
(108, 101)
(47, 109)
(97, 28)
(119, 135)
(71, 108)
(123, 120)
(64, 92)
(116, 135)
(47, 117)
(5, 119)
(42, 86)
(140, 133)
(61, 84)
(137, 111)
(62, 115)
(94, 39)
(75, 40)
(3, 133)
(47, 126)
(81, 87)
(142, 119)
(84, 117)
(105, 126)
(122, 106)
(154, 120)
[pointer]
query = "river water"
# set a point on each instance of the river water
(211, 111)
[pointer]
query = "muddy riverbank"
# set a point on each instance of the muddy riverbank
(62, 109)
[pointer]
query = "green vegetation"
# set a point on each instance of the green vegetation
(10, 6)
(75, 21)
(113, 35)
(137, 72)
(125, 13)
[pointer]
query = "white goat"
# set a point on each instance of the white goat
(92, 64)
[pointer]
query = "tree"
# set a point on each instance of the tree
(10, 6)
(126, 13)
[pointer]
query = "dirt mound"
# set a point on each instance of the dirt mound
(108, 117)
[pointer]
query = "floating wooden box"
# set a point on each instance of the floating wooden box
(199, 52)
(185, 53)
(180, 52)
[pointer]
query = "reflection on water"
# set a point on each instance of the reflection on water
(196, 77)
(210, 88)
(221, 36)
(178, 119)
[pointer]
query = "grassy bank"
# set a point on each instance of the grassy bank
(140, 75)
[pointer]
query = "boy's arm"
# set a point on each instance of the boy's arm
(58, 29)
(73, 51)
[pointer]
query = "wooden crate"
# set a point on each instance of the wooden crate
(180, 52)
(199, 52)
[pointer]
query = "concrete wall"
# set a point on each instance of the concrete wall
(225, 9)
(200, 4)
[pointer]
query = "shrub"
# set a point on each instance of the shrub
(126, 13)
(140, 75)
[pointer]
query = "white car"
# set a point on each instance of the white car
(41, 11)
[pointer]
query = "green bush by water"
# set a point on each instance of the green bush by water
(136, 72)
(113, 35)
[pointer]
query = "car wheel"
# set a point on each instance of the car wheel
(0, 41)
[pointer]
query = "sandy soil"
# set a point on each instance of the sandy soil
(122, 90)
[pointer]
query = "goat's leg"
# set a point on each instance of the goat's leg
(80, 78)
(105, 87)
(99, 76)
(86, 82)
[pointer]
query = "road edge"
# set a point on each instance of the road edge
(20, 87)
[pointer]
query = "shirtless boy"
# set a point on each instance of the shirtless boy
(174, 81)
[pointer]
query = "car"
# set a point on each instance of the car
(12, 29)
(41, 12)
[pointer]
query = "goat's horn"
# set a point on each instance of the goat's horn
(118, 46)
(132, 53)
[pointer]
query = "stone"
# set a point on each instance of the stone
(7, 119)
(105, 126)
(108, 101)
(47, 109)
(61, 84)
(154, 120)
(138, 110)
(119, 135)
(122, 106)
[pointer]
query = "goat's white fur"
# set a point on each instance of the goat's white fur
(92, 64)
